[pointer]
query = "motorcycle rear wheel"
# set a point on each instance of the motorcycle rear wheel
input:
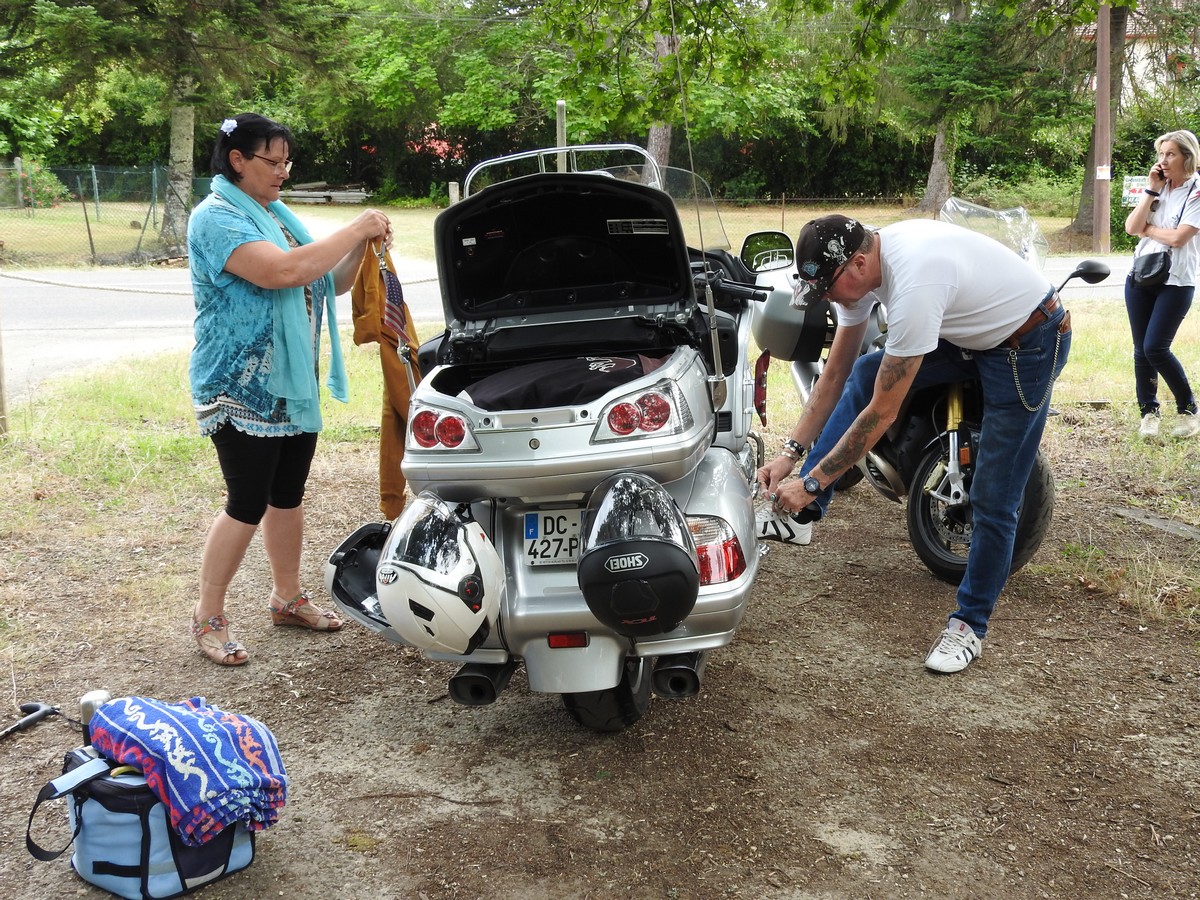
(941, 533)
(618, 707)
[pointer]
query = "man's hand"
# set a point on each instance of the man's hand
(770, 475)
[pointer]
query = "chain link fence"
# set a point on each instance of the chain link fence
(87, 215)
(66, 217)
(788, 214)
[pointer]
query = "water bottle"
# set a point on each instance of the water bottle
(88, 704)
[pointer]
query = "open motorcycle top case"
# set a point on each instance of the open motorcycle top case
(568, 294)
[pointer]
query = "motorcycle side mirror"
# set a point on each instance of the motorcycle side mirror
(1090, 270)
(765, 251)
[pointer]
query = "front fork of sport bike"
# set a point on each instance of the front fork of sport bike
(947, 482)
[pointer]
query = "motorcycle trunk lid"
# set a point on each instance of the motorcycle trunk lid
(521, 261)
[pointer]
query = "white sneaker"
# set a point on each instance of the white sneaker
(1149, 426)
(782, 528)
(955, 648)
(1189, 425)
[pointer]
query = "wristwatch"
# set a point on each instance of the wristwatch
(811, 485)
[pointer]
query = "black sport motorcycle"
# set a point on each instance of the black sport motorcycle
(927, 457)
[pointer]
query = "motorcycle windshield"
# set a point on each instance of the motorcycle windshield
(702, 225)
(1014, 228)
(703, 228)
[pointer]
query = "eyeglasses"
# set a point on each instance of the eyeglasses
(806, 291)
(833, 280)
(285, 164)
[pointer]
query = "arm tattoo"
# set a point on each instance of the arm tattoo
(860, 436)
(853, 446)
(896, 369)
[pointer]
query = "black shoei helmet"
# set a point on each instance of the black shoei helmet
(638, 569)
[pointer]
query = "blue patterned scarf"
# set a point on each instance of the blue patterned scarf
(293, 371)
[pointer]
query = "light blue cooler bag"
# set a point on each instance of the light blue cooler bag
(124, 842)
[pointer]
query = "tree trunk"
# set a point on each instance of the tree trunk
(938, 185)
(179, 175)
(1118, 22)
(658, 141)
(658, 144)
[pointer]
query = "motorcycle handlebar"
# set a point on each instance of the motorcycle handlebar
(731, 288)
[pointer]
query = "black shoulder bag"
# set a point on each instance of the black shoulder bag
(1151, 269)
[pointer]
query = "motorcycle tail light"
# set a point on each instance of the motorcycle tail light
(662, 410)
(760, 385)
(450, 430)
(623, 419)
(717, 549)
(423, 425)
(655, 410)
(432, 429)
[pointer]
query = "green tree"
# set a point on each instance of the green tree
(975, 75)
(30, 123)
(192, 49)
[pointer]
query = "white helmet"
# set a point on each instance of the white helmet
(439, 579)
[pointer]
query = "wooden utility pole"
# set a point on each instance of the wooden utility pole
(1102, 197)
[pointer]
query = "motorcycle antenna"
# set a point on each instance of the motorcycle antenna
(718, 387)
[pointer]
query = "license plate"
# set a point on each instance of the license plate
(552, 537)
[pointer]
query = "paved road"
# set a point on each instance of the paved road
(62, 321)
(54, 322)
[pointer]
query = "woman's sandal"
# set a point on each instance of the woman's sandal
(303, 613)
(223, 653)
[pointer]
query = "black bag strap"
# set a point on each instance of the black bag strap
(64, 784)
(1179, 218)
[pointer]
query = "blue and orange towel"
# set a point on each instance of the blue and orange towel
(210, 768)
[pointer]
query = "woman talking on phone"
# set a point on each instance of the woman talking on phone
(1166, 219)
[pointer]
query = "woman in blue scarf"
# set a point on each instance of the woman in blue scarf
(263, 287)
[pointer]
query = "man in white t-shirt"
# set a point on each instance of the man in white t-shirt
(959, 305)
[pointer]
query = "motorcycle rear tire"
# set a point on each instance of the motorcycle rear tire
(618, 707)
(941, 536)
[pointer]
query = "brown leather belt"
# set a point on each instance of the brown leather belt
(1036, 318)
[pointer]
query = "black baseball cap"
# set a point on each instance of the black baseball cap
(823, 247)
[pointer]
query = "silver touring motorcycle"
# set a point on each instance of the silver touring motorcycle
(580, 444)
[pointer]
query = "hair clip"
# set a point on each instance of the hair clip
(228, 126)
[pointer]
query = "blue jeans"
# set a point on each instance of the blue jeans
(1155, 314)
(1008, 443)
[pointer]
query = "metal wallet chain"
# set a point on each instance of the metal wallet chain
(1012, 360)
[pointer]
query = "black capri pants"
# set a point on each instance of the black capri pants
(262, 471)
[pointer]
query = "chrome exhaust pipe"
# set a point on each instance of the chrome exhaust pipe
(679, 675)
(478, 684)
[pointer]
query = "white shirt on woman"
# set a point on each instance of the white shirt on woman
(1171, 202)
